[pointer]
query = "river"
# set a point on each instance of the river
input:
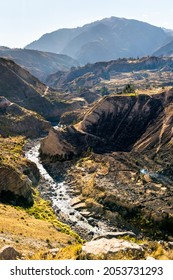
(59, 195)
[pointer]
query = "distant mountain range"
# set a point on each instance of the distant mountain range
(104, 40)
(40, 64)
(91, 74)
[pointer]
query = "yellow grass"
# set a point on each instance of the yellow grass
(27, 234)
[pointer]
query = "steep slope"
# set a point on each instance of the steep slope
(39, 64)
(15, 120)
(166, 50)
(20, 87)
(115, 123)
(15, 186)
(103, 40)
(125, 170)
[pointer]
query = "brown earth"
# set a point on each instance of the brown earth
(128, 179)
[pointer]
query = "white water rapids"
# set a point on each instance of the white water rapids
(60, 197)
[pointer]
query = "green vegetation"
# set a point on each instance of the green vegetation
(11, 151)
(129, 88)
(42, 210)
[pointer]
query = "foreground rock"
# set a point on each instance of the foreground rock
(9, 253)
(110, 247)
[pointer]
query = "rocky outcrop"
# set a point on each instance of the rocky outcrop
(16, 120)
(9, 253)
(129, 176)
(15, 183)
(110, 247)
(115, 123)
(4, 102)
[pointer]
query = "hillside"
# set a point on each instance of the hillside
(103, 40)
(23, 88)
(166, 50)
(39, 64)
(125, 167)
(16, 120)
(20, 87)
(91, 75)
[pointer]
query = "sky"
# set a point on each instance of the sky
(23, 21)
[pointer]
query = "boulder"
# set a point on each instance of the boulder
(150, 259)
(9, 253)
(108, 247)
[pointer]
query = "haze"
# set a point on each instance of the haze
(22, 21)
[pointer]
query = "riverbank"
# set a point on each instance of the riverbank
(65, 200)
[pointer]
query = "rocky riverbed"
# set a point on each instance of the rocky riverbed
(69, 206)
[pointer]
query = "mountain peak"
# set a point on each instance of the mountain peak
(103, 40)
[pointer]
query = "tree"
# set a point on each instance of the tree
(104, 91)
(129, 88)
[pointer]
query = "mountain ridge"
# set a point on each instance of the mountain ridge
(39, 64)
(114, 37)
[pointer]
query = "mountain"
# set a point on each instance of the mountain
(166, 50)
(103, 40)
(39, 64)
(91, 74)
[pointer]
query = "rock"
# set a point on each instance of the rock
(16, 120)
(106, 246)
(170, 245)
(11, 181)
(109, 235)
(76, 200)
(79, 206)
(52, 252)
(4, 102)
(9, 253)
(85, 213)
(102, 127)
(150, 258)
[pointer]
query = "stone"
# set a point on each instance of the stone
(9, 253)
(150, 258)
(52, 252)
(79, 206)
(106, 246)
(110, 235)
(76, 200)
(170, 245)
(85, 213)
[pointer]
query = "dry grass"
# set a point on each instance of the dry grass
(28, 234)
(11, 151)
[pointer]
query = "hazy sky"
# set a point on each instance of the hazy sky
(23, 21)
